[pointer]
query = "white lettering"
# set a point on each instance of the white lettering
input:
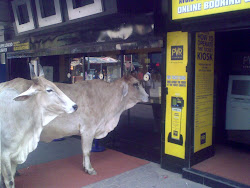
(179, 10)
(211, 4)
(223, 3)
(6, 45)
(184, 9)
(3, 49)
(195, 7)
(231, 2)
(217, 3)
(189, 8)
(199, 6)
(220, 3)
(206, 5)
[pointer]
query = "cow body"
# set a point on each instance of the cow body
(26, 107)
(100, 107)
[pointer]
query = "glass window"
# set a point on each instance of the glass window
(81, 3)
(22, 14)
(47, 8)
(107, 68)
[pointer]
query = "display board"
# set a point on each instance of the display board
(176, 99)
(193, 8)
(204, 90)
(14, 46)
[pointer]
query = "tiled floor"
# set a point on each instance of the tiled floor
(228, 162)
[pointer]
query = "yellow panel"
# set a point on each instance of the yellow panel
(204, 90)
(176, 100)
(193, 8)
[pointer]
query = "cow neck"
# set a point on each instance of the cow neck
(121, 100)
(31, 138)
(47, 117)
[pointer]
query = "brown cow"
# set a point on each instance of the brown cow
(100, 106)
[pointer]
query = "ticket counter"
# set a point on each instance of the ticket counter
(203, 49)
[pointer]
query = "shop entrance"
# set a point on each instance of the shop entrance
(138, 132)
(231, 131)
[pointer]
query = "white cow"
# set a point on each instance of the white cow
(100, 106)
(25, 108)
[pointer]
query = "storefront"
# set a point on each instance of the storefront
(196, 56)
(207, 92)
(101, 45)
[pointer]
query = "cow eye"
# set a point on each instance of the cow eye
(136, 85)
(49, 90)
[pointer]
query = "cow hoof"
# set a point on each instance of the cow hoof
(91, 171)
(17, 174)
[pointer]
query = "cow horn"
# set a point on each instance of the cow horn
(32, 72)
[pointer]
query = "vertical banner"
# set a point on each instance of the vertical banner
(204, 90)
(176, 99)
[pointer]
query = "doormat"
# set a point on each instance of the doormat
(65, 173)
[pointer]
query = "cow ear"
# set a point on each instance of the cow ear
(41, 73)
(26, 95)
(124, 89)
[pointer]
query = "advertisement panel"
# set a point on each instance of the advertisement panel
(176, 99)
(204, 90)
(14, 46)
(193, 8)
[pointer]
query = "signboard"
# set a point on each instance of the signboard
(194, 8)
(176, 100)
(204, 90)
(241, 63)
(14, 46)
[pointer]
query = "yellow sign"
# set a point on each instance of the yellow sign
(21, 46)
(193, 8)
(204, 90)
(176, 100)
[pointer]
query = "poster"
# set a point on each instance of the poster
(176, 99)
(204, 90)
(193, 8)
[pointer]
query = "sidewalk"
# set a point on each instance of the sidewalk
(149, 175)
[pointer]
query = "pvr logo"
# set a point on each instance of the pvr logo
(203, 138)
(176, 52)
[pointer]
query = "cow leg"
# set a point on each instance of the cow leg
(13, 168)
(7, 173)
(2, 185)
(87, 141)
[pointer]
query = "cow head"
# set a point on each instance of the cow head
(48, 96)
(133, 91)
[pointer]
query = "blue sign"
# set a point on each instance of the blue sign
(2, 73)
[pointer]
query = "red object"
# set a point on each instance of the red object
(157, 64)
(65, 173)
(140, 76)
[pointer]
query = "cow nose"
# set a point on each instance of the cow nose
(75, 107)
